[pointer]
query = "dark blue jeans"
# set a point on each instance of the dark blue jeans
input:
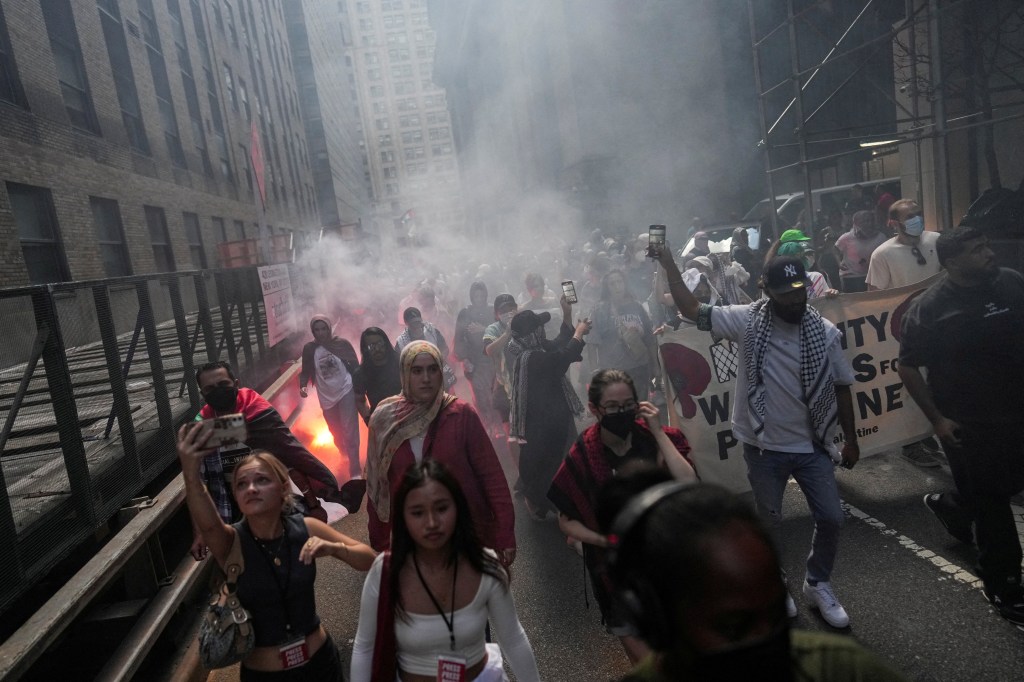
(768, 472)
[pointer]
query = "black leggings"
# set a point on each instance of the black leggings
(325, 666)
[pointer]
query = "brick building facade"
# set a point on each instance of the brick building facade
(125, 132)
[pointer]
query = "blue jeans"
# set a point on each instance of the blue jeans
(343, 421)
(769, 470)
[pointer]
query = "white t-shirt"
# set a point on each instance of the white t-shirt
(333, 382)
(787, 422)
(893, 264)
(421, 637)
(857, 252)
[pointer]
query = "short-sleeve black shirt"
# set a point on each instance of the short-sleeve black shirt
(971, 340)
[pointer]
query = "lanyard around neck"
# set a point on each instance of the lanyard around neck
(449, 622)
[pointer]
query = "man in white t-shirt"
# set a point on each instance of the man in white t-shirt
(793, 389)
(907, 258)
(330, 362)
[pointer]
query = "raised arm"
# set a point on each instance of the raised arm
(218, 536)
(686, 302)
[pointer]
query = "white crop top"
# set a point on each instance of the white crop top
(422, 637)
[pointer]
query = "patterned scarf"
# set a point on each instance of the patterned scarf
(815, 369)
(396, 420)
(519, 349)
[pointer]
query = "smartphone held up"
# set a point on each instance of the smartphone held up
(569, 290)
(655, 240)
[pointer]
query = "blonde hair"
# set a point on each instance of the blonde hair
(277, 468)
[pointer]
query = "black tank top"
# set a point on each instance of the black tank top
(280, 598)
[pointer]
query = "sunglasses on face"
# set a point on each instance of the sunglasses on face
(921, 260)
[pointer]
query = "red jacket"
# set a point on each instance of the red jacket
(462, 445)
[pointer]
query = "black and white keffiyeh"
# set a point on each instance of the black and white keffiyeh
(519, 350)
(815, 369)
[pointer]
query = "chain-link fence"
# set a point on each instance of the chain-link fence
(95, 378)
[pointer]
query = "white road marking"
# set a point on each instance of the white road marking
(948, 567)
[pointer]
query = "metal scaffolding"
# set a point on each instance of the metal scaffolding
(916, 45)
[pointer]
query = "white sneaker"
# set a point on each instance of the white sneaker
(824, 599)
(791, 609)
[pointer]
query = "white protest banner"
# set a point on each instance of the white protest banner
(277, 301)
(700, 381)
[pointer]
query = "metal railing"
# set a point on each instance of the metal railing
(86, 399)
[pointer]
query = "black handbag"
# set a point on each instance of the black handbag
(226, 635)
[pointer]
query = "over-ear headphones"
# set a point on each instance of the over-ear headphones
(639, 602)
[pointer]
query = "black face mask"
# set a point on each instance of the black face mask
(222, 398)
(766, 659)
(620, 423)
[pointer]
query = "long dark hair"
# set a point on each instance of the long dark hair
(366, 365)
(465, 541)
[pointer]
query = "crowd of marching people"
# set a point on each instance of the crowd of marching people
(501, 362)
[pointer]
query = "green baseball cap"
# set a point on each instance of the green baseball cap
(794, 236)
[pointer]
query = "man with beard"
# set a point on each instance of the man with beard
(794, 388)
(477, 367)
(698, 576)
(544, 403)
(330, 362)
(265, 430)
(968, 330)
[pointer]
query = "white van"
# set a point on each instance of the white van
(788, 207)
(825, 199)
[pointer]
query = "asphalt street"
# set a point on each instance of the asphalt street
(910, 588)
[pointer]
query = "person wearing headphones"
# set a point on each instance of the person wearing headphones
(696, 573)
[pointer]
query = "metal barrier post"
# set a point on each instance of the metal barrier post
(119, 390)
(186, 348)
(65, 411)
(226, 309)
(163, 402)
(257, 325)
(205, 320)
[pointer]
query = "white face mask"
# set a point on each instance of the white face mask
(914, 226)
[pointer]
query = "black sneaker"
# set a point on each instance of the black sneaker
(957, 527)
(1009, 604)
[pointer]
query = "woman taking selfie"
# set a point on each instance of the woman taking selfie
(628, 434)
(427, 602)
(424, 422)
(279, 549)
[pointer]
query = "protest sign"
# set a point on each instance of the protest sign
(700, 381)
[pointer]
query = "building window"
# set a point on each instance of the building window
(10, 84)
(412, 136)
(412, 120)
(376, 91)
(161, 84)
(412, 153)
(106, 219)
(382, 124)
(124, 78)
(67, 53)
(239, 230)
(160, 238)
(189, 85)
(384, 140)
(39, 233)
(405, 88)
(387, 157)
(390, 172)
(229, 83)
(194, 237)
(441, 133)
(219, 229)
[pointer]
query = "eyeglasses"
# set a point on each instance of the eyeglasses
(615, 408)
(376, 345)
(921, 260)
